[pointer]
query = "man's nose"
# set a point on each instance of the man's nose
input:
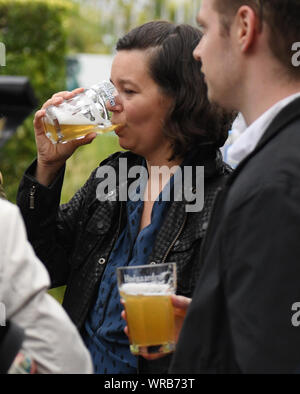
(197, 53)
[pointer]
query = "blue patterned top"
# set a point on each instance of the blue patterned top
(105, 338)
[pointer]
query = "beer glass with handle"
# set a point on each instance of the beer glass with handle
(146, 291)
(85, 113)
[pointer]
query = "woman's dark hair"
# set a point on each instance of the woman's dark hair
(192, 119)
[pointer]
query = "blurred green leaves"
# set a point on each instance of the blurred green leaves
(36, 44)
(35, 40)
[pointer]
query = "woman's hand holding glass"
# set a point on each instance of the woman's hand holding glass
(51, 157)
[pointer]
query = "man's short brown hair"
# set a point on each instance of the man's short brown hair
(282, 18)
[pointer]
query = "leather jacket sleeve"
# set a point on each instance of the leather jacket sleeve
(51, 228)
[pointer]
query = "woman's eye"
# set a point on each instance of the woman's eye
(129, 91)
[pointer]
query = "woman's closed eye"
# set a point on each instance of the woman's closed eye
(129, 91)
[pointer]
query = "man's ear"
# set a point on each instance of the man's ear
(247, 27)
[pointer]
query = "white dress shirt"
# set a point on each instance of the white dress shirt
(246, 137)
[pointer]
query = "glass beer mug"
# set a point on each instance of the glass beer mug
(85, 113)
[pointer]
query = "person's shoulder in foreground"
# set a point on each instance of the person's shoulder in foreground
(242, 317)
(51, 339)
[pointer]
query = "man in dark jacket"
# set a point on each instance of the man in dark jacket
(244, 314)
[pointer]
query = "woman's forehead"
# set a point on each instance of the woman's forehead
(130, 66)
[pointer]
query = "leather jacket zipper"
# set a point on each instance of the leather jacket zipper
(175, 239)
(31, 197)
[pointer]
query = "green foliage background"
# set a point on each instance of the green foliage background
(35, 41)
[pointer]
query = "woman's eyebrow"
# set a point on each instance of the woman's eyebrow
(124, 81)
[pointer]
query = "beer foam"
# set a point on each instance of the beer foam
(146, 288)
(65, 118)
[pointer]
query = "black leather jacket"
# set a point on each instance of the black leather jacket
(75, 240)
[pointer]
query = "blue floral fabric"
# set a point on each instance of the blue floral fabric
(105, 338)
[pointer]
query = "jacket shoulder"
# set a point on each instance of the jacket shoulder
(114, 158)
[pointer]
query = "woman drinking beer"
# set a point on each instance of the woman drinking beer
(167, 122)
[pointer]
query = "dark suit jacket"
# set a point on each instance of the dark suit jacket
(243, 317)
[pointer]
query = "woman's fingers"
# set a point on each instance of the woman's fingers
(123, 315)
(155, 356)
(77, 91)
(180, 304)
(38, 122)
(66, 94)
(87, 139)
(126, 331)
(53, 101)
(59, 97)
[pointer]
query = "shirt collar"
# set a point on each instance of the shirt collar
(246, 137)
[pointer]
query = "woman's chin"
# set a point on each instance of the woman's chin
(125, 145)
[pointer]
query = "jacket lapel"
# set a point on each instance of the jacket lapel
(283, 119)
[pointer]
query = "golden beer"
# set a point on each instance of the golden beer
(146, 291)
(150, 318)
(150, 322)
(68, 132)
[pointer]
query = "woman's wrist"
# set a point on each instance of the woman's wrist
(46, 173)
